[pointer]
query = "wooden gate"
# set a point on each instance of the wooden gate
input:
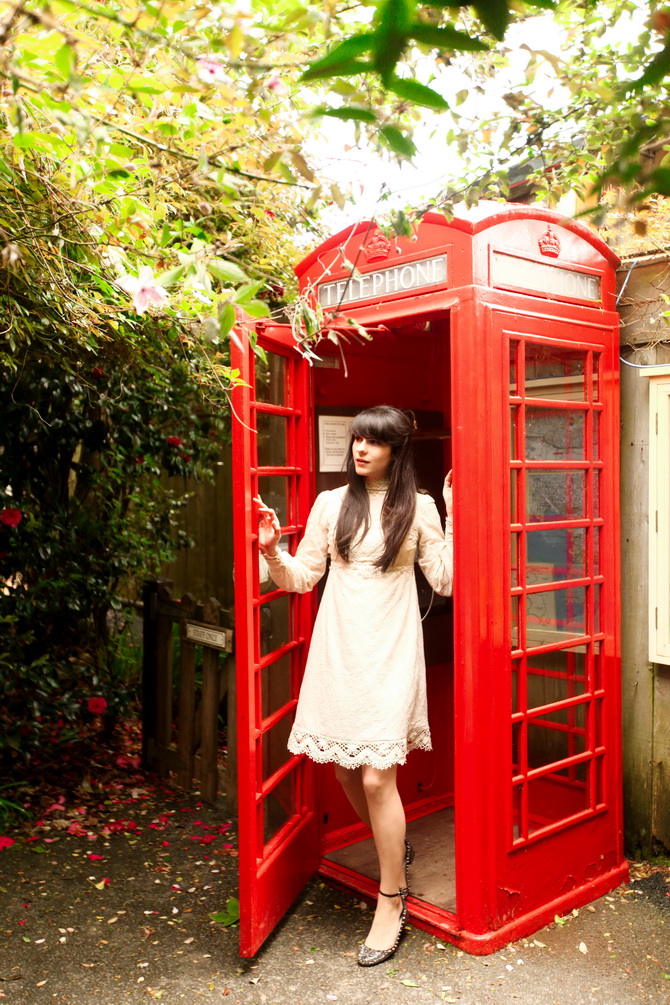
(180, 733)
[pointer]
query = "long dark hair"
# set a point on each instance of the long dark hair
(388, 425)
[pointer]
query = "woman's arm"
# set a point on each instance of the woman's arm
(436, 548)
(297, 573)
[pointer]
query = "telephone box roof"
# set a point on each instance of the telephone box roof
(472, 221)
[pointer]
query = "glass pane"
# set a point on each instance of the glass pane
(596, 435)
(514, 423)
(555, 736)
(555, 554)
(517, 747)
(514, 488)
(274, 749)
(555, 615)
(596, 550)
(554, 434)
(271, 379)
(515, 623)
(513, 356)
(516, 683)
(276, 688)
(596, 610)
(555, 495)
(516, 811)
(553, 677)
(596, 376)
(596, 493)
(554, 372)
(553, 798)
(515, 559)
(272, 452)
(275, 624)
(274, 490)
(278, 806)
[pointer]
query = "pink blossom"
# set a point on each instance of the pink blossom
(277, 86)
(97, 706)
(143, 289)
(173, 441)
(210, 70)
(6, 842)
(11, 517)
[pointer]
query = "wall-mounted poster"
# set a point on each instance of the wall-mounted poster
(334, 436)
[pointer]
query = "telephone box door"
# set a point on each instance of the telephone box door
(278, 838)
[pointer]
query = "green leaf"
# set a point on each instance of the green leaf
(257, 308)
(226, 272)
(342, 55)
(446, 38)
(412, 90)
(392, 35)
(350, 114)
(397, 141)
(66, 61)
(226, 321)
(230, 916)
(170, 277)
(655, 71)
(494, 15)
(248, 292)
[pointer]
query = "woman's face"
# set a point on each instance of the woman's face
(372, 458)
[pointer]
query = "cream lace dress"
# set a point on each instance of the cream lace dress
(363, 695)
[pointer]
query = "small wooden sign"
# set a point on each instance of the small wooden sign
(209, 635)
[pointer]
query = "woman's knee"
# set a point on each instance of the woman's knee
(377, 783)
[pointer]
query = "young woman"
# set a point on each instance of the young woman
(362, 703)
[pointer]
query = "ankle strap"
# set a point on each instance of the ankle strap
(401, 893)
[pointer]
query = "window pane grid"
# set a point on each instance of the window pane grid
(554, 581)
(277, 647)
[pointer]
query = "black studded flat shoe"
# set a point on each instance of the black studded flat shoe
(409, 858)
(371, 957)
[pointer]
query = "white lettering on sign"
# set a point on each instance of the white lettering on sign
(397, 279)
(507, 270)
(217, 637)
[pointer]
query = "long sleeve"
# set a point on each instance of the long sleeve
(436, 548)
(299, 573)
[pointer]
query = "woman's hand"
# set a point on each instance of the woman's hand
(269, 528)
(447, 493)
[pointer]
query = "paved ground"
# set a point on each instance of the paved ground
(125, 918)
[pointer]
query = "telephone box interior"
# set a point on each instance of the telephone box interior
(407, 365)
(505, 351)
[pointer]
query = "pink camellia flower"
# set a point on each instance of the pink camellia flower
(143, 289)
(174, 441)
(210, 70)
(97, 706)
(11, 517)
(6, 842)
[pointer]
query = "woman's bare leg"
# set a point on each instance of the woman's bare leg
(387, 820)
(352, 782)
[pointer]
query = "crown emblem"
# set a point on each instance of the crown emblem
(377, 248)
(549, 243)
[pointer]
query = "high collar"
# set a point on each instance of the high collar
(377, 487)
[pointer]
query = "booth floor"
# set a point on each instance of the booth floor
(433, 872)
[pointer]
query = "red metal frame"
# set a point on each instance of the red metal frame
(273, 869)
(520, 858)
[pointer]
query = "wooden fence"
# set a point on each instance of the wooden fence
(182, 697)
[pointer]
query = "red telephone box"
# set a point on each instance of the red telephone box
(498, 330)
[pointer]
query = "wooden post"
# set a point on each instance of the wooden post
(209, 782)
(231, 754)
(149, 662)
(164, 676)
